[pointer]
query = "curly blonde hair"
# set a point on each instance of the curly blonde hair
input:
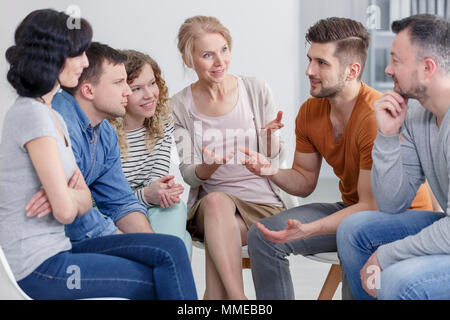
(155, 124)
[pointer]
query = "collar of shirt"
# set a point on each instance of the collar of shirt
(82, 118)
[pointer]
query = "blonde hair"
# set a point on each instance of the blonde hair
(192, 28)
(155, 125)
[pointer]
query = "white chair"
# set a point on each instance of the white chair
(9, 289)
(334, 275)
(244, 253)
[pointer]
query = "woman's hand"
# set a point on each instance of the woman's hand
(171, 195)
(163, 192)
(257, 163)
(76, 181)
(274, 124)
(39, 204)
(211, 162)
(272, 143)
(210, 157)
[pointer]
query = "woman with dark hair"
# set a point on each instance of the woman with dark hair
(36, 154)
(145, 139)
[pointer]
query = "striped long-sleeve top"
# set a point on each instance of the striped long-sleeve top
(141, 166)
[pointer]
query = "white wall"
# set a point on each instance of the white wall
(264, 35)
(268, 39)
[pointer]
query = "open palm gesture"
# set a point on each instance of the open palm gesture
(295, 230)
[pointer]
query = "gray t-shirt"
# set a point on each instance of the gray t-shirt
(27, 242)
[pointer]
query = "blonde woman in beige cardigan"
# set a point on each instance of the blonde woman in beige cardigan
(215, 117)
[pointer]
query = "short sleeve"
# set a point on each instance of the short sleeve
(303, 142)
(31, 121)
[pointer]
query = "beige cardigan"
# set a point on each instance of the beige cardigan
(189, 149)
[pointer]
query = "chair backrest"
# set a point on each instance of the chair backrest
(9, 289)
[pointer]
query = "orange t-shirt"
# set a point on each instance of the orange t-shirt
(352, 152)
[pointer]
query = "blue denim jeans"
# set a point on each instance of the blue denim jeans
(360, 235)
(132, 266)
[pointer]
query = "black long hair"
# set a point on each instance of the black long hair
(43, 41)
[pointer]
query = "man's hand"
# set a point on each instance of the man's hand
(257, 163)
(39, 205)
(295, 230)
(390, 112)
(370, 275)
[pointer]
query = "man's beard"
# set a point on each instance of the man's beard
(330, 92)
(417, 92)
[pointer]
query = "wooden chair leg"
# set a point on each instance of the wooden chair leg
(331, 283)
(246, 263)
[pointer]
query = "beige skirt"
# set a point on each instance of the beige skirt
(249, 211)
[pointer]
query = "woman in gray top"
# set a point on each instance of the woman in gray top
(36, 154)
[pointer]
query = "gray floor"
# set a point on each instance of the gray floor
(308, 276)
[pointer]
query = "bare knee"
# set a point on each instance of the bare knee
(218, 205)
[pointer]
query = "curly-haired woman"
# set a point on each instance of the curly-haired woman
(145, 139)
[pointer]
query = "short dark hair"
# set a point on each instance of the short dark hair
(431, 33)
(97, 53)
(43, 41)
(351, 37)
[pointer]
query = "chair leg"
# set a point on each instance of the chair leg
(246, 263)
(331, 283)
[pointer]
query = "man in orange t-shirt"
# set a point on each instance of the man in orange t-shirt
(337, 124)
(352, 150)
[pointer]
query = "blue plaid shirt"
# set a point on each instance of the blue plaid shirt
(97, 153)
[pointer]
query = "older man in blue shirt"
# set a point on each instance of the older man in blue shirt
(101, 94)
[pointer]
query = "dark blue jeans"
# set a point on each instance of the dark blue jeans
(131, 266)
(362, 233)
